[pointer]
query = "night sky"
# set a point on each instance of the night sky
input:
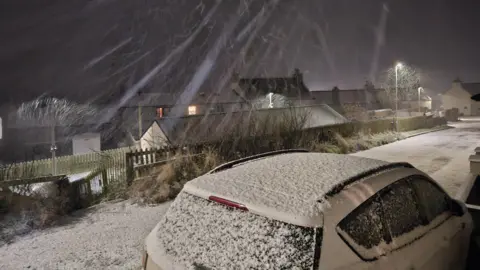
(56, 47)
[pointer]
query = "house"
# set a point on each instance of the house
(218, 126)
(369, 98)
(462, 96)
(292, 90)
(424, 103)
(242, 94)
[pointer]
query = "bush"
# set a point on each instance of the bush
(166, 181)
(21, 213)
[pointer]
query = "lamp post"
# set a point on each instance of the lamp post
(420, 89)
(397, 67)
(270, 104)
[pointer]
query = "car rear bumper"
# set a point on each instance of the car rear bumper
(148, 263)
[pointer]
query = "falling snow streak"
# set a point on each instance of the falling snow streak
(379, 42)
(208, 63)
(107, 53)
(150, 75)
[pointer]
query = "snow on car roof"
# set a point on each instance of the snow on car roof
(287, 187)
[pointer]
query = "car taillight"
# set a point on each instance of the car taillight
(144, 260)
(228, 203)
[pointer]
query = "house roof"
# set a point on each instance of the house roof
(322, 96)
(353, 96)
(346, 96)
(217, 126)
(199, 128)
(472, 88)
(152, 99)
(291, 87)
(288, 187)
(226, 95)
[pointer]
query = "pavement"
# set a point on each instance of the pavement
(418, 132)
(442, 154)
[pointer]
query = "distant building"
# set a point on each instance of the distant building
(242, 94)
(463, 97)
(86, 143)
(196, 129)
(293, 89)
(368, 98)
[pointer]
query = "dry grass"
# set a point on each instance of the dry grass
(166, 181)
(340, 145)
(116, 190)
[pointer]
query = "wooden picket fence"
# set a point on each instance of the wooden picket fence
(140, 161)
(65, 164)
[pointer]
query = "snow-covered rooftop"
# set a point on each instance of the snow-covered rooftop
(287, 187)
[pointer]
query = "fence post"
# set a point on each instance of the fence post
(89, 190)
(104, 180)
(129, 168)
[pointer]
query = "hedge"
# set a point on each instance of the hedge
(237, 147)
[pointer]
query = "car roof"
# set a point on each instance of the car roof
(290, 187)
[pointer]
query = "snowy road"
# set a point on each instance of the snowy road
(443, 154)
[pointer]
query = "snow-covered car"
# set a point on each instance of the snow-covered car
(301, 210)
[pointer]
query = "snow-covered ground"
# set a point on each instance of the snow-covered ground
(107, 236)
(442, 154)
(111, 235)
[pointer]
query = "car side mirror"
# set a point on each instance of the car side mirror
(457, 208)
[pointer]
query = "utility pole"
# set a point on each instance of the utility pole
(397, 67)
(140, 127)
(53, 149)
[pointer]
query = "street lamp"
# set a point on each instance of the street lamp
(270, 104)
(397, 67)
(420, 89)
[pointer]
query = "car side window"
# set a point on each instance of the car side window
(364, 224)
(401, 208)
(434, 201)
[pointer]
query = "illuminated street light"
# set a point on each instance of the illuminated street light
(397, 67)
(270, 105)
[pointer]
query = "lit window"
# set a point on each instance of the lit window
(159, 112)
(192, 110)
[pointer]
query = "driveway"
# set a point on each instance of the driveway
(442, 154)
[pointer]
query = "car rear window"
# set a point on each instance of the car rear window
(200, 234)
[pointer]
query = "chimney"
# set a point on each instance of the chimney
(336, 96)
(457, 83)
(298, 76)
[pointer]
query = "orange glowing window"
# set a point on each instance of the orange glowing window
(192, 110)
